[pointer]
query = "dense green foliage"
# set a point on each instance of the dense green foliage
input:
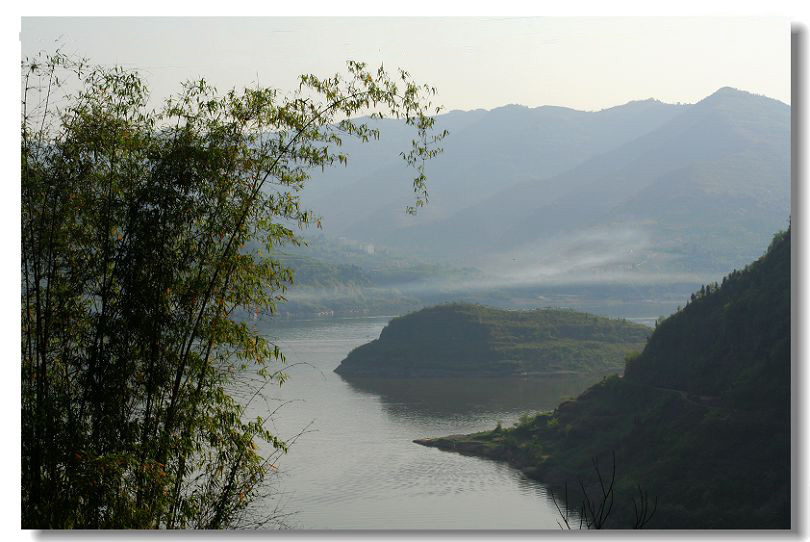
(739, 337)
(701, 418)
(147, 236)
(473, 340)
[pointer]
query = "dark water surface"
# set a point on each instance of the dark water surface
(355, 467)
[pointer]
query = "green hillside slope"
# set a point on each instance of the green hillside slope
(473, 340)
(701, 419)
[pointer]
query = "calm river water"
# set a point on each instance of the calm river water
(355, 467)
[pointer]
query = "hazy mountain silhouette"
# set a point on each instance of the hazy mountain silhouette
(487, 152)
(643, 187)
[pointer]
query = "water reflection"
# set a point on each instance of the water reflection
(429, 398)
(356, 466)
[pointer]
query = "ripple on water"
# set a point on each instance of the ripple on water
(357, 468)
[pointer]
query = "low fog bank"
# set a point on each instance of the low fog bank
(640, 297)
(618, 272)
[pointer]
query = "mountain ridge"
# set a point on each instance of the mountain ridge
(585, 194)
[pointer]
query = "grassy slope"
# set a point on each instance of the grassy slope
(470, 340)
(701, 420)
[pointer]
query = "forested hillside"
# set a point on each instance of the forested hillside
(473, 340)
(701, 419)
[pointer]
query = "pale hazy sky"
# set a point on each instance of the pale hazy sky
(584, 63)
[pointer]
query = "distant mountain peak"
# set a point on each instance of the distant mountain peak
(520, 107)
(729, 90)
(647, 101)
(731, 94)
(637, 104)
